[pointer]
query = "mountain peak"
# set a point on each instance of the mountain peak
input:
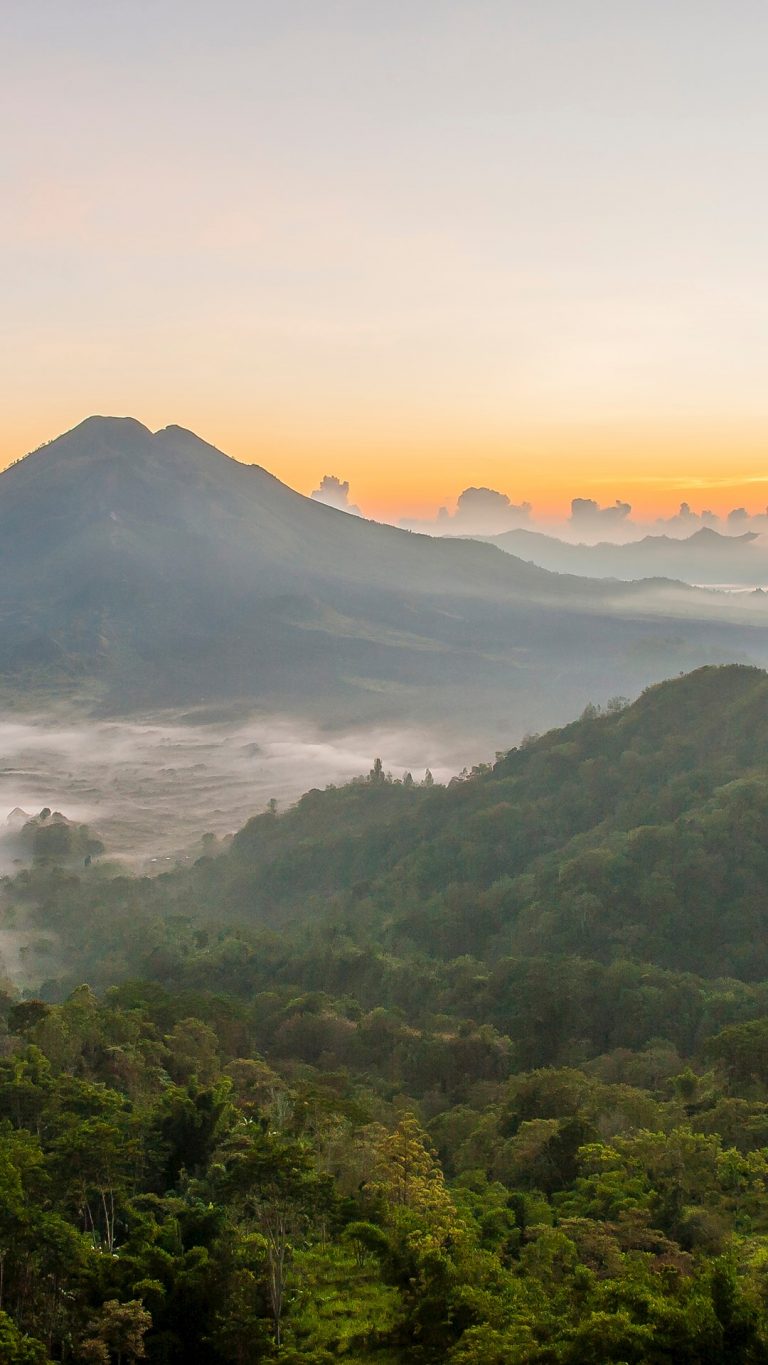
(709, 537)
(98, 424)
(93, 437)
(98, 433)
(182, 439)
(175, 431)
(179, 441)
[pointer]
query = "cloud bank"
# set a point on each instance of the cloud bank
(489, 512)
(482, 511)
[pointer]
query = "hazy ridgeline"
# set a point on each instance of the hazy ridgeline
(705, 557)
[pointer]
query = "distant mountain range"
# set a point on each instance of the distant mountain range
(706, 557)
(149, 570)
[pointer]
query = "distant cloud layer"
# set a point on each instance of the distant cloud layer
(481, 511)
(686, 521)
(488, 512)
(334, 493)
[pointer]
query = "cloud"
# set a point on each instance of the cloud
(589, 515)
(687, 521)
(740, 520)
(479, 512)
(334, 493)
(486, 503)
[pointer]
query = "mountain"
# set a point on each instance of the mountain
(142, 570)
(706, 557)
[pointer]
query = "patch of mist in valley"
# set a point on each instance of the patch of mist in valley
(151, 788)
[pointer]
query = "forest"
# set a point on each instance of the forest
(473, 1074)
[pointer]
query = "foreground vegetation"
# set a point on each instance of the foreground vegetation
(476, 1074)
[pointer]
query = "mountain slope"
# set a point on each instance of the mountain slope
(148, 570)
(704, 557)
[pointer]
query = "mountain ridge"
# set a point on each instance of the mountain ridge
(702, 558)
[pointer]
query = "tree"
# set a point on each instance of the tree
(16, 1348)
(120, 1328)
(193, 1048)
(376, 775)
(408, 1179)
(95, 1162)
(239, 1326)
(280, 1193)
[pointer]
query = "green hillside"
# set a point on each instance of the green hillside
(639, 833)
(634, 842)
(475, 1074)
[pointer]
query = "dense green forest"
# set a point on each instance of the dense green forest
(472, 1074)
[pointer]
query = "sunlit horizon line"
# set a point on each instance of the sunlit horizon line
(549, 489)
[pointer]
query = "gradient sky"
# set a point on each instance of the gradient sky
(417, 244)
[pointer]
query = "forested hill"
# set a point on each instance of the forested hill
(641, 833)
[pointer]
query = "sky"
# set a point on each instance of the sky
(420, 246)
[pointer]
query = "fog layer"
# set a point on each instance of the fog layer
(151, 789)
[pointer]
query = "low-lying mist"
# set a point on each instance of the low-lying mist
(151, 789)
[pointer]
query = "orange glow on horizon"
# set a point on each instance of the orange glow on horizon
(392, 477)
(531, 261)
